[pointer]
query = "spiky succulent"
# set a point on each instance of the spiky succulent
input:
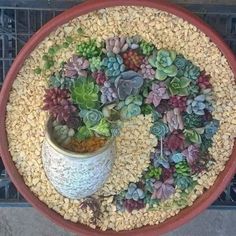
(158, 92)
(163, 62)
(58, 103)
(128, 83)
(116, 45)
(163, 190)
(85, 93)
(88, 49)
(173, 119)
(130, 107)
(108, 93)
(134, 192)
(62, 134)
(113, 65)
(76, 66)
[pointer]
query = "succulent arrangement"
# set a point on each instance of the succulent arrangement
(104, 84)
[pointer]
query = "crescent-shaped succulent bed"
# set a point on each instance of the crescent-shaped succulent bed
(141, 73)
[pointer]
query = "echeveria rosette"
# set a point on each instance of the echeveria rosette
(197, 105)
(211, 129)
(163, 190)
(192, 72)
(115, 45)
(85, 93)
(113, 65)
(76, 66)
(177, 157)
(192, 121)
(128, 83)
(179, 86)
(159, 129)
(134, 192)
(130, 107)
(102, 128)
(192, 136)
(57, 80)
(183, 182)
(192, 154)
(158, 92)
(180, 62)
(163, 62)
(91, 117)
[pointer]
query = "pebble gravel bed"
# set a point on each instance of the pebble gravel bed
(25, 119)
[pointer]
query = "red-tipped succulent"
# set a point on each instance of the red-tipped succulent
(57, 102)
(204, 81)
(132, 60)
(178, 102)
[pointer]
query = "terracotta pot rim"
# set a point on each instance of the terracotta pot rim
(186, 214)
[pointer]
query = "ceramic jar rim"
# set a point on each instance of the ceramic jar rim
(72, 154)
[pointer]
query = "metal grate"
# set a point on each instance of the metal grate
(20, 19)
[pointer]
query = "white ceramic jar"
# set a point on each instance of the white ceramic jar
(76, 175)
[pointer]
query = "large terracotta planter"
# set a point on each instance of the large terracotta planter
(185, 215)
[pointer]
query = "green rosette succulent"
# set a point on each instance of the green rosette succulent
(88, 49)
(95, 64)
(192, 72)
(179, 86)
(146, 48)
(91, 117)
(163, 62)
(206, 144)
(147, 109)
(182, 169)
(159, 129)
(58, 81)
(130, 107)
(183, 182)
(153, 172)
(83, 133)
(193, 90)
(85, 93)
(192, 136)
(102, 128)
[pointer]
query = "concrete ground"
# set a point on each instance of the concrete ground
(28, 222)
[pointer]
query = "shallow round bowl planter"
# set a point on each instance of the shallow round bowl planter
(76, 175)
(184, 215)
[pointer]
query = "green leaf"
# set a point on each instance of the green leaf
(83, 133)
(138, 100)
(192, 136)
(172, 55)
(152, 61)
(171, 70)
(129, 100)
(102, 128)
(160, 75)
(184, 82)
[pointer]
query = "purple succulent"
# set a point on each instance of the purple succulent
(76, 66)
(159, 92)
(192, 154)
(146, 70)
(108, 93)
(100, 77)
(131, 205)
(163, 190)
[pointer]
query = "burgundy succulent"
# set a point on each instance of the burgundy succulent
(178, 102)
(175, 141)
(76, 66)
(131, 205)
(204, 81)
(197, 168)
(100, 77)
(163, 106)
(192, 154)
(207, 116)
(163, 190)
(57, 102)
(167, 173)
